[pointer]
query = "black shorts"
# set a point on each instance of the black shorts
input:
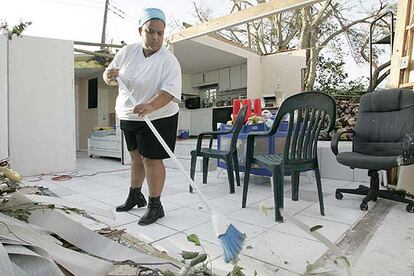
(139, 136)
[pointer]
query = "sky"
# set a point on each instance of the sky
(82, 20)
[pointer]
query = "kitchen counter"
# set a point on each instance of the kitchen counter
(225, 106)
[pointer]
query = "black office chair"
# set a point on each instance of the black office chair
(310, 113)
(228, 155)
(384, 118)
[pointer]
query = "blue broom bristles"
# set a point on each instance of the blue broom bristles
(232, 243)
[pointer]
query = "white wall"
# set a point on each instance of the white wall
(41, 105)
(103, 114)
(254, 78)
(95, 117)
(4, 142)
(285, 67)
(77, 115)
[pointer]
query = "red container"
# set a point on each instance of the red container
(236, 109)
(236, 106)
(249, 108)
(257, 107)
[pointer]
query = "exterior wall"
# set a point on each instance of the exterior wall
(254, 78)
(41, 105)
(77, 114)
(4, 133)
(284, 68)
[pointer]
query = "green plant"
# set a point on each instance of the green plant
(197, 262)
(16, 29)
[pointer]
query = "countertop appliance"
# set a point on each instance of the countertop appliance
(192, 103)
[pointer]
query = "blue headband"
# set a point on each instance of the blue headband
(151, 13)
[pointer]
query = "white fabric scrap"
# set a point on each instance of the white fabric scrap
(75, 262)
(88, 240)
(73, 204)
(6, 264)
(31, 262)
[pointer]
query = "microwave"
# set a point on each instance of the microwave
(192, 103)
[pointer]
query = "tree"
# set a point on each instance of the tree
(332, 78)
(312, 28)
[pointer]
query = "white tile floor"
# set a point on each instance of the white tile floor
(271, 248)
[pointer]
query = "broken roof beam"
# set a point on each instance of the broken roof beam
(256, 12)
(98, 54)
(98, 44)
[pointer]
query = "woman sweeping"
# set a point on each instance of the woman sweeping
(153, 75)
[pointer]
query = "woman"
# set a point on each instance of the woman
(153, 75)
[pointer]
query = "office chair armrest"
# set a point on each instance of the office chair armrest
(335, 139)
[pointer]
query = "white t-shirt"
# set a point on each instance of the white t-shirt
(145, 77)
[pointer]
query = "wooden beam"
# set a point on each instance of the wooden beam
(407, 85)
(246, 15)
(93, 53)
(399, 43)
(97, 44)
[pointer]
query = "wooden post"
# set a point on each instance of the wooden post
(103, 37)
(402, 74)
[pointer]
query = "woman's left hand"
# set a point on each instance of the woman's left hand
(143, 109)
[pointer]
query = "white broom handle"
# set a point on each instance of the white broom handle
(166, 147)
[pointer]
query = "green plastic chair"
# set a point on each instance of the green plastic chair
(229, 155)
(308, 115)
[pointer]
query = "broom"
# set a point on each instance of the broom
(231, 239)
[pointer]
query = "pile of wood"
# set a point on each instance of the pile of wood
(346, 112)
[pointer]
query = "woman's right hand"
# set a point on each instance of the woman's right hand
(110, 76)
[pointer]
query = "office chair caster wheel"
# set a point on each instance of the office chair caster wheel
(339, 195)
(364, 206)
(410, 208)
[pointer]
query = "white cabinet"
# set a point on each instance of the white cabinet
(244, 75)
(235, 77)
(197, 79)
(229, 78)
(211, 77)
(104, 143)
(224, 79)
(205, 78)
(201, 120)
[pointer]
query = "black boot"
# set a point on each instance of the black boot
(154, 211)
(135, 197)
